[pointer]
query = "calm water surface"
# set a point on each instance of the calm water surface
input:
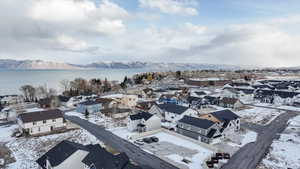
(12, 80)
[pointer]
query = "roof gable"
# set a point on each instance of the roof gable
(225, 115)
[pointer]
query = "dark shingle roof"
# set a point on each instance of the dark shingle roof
(225, 115)
(41, 115)
(102, 159)
(89, 103)
(201, 123)
(190, 99)
(173, 108)
(141, 115)
(60, 153)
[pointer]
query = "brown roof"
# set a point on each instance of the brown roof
(228, 100)
(41, 115)
(104, 100)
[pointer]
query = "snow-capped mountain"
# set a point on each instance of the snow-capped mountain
(33, 64)
(39, 64)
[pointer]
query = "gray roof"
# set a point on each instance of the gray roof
(89, 103)
(60, 153)
(41, 115)
(141, 115)
(201, 123)
(225, 115)
(172, 108)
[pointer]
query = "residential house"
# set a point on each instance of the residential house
(228, 121)
(230, 93)
(50, 102)
(148, 93)
(212, 100)
(116, 113)
(200, 129)
(70, 155)
(196, 102)
(89, 106)
(228, 102)
(129, 100)
(171, 112)
(143, 121)
(168, 98)
(144, 105)
(107, 103)
(41, 122)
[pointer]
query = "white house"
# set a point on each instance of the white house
(228, 121)
(129, 100)
(41, 122)
(143, 121)
(171, 112)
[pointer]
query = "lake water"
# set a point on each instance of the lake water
(12, 80)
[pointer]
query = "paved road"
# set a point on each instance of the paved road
(144, 159)
(249, 156)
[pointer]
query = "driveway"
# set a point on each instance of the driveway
(142, 158)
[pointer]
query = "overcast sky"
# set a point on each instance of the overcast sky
(237, 32)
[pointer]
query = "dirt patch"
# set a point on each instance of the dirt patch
(5, 156)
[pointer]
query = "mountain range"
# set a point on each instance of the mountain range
(47, 65)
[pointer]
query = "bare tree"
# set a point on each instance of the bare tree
(65, 85)
(29, 92)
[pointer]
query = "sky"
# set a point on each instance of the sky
(247, 32)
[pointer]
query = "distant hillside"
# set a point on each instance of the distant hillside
(33, 64)
(39, 64)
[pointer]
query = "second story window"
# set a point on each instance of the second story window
(34, 123)
(44, 121)
(54, 120)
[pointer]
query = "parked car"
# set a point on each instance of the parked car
(154, 139)
(147, 140)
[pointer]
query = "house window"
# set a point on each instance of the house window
(229, 124)
(39, 129)
(237, 122)
(44, 121)
(54, 120)
(34, 123)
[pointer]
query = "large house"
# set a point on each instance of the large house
(209, 126)
(143, 121)
(228, 121)
(228, 102)
(116, 113)
(70, 155)
(171, 112)
(200, 129)
(89, 106)
(41, 122)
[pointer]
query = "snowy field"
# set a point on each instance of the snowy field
(284, 152)
(122, 132)
(174, 142)
(27, 150)
(259, 115)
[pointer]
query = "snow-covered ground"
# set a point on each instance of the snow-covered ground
(284, 152)
(27, 150)
(93, 118)
(122, 132)
(259, 115)
(201, 153)
(6, 132)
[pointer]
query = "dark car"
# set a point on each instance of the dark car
(147, 140)
(154, 139)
